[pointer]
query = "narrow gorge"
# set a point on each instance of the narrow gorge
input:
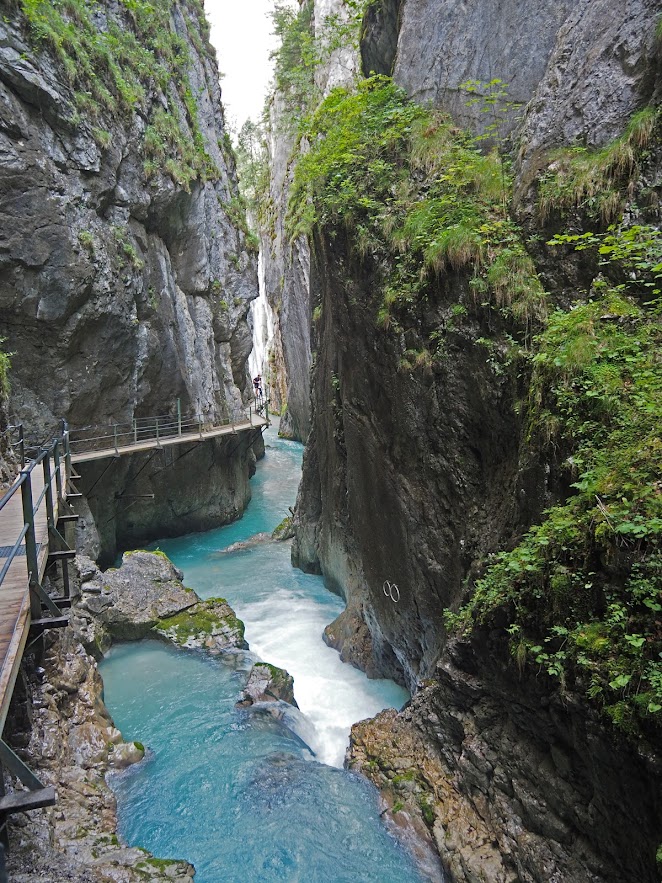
(440, 246)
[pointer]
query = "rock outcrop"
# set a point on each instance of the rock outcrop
(286, 261)
(409, 475)
(126, 271)
(145, 597)
(286, 267)
(515, 781)
(419, 466)
(268, 683)
(575, 72)
(60, 723)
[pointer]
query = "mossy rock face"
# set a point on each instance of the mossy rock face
(284, 531)
(210, 624)
(268, 683)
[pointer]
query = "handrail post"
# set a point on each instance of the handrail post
(30, 543)
(200, 424)
(67, 451)
(48, 486)
(158, 443)
(250, 414)
(21, 444)
(117, 453)
(58, 470)
(179, 416)
(266, 410)
(135, 431)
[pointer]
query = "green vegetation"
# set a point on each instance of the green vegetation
(284, 529)
(202, 620)
(118, 69)
(5, 365)
(253, 171)
(417, 197)
(596, 182)
(303, 50)
(583, 590)
(296, 59)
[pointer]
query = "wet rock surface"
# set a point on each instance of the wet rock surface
(512, 781)
(268, 683)
(63, 730)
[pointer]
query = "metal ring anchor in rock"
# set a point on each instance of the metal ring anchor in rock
(391, 591)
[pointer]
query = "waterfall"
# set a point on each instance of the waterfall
(263, 328)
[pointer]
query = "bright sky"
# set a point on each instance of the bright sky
(241, 32)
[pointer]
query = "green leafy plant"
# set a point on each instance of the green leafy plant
(583, 589)
(416, 196)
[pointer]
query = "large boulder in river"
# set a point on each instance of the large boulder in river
(210, 624)
(129, 601)
(268, 683)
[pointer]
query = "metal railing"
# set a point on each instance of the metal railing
(51, 458)
(160, 428)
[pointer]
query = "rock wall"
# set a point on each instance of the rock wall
(575, 70)
(410, 474)
(515, 780)
(125, 281)
(287, 263)
(286, 278)
(413, 473)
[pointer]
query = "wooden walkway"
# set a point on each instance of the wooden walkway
(256, 421)
(16, 602)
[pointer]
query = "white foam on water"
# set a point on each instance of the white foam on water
(287, 631)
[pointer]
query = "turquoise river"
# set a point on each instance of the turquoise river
(253, 795)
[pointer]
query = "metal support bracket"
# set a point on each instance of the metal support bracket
(17, 768)
(45, 599)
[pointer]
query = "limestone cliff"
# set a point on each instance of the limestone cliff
(126, 275)
(424, 460)
(287, 260)
(286, 278)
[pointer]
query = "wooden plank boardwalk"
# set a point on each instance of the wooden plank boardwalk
(256, 421)
(15, 616)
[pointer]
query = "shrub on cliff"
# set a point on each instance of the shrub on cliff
(583, 590)
(116, 59)
(414, 194)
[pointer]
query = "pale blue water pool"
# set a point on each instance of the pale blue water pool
(253, 795)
